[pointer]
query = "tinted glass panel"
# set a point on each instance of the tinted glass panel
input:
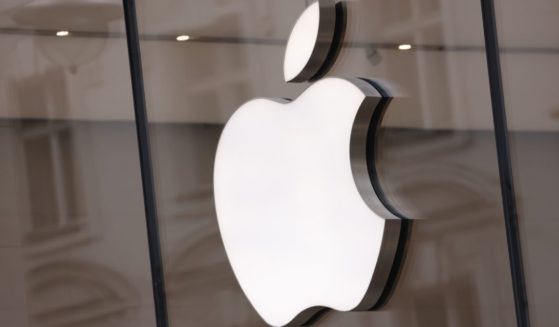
(73, 248)
(529, 35)
(437, 156)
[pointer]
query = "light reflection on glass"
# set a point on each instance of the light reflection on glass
(73, 249)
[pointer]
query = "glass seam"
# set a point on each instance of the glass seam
(142, 130)
(508, 195)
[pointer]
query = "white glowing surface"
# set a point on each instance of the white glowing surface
(295, 228)
(182, 38)
(301, 42)
(404, 46)
(62, 33)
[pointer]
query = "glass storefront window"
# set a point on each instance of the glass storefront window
(529, 61)
(73, 192)
(73, 249)
(438, 162)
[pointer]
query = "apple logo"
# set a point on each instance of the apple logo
(304, 224)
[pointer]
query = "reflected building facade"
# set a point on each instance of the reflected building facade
(73, 238)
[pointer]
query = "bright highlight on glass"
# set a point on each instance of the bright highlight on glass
(62, 33)
(404, 46)
(181, 38)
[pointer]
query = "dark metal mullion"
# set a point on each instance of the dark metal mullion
(504, 162)
(154, 245)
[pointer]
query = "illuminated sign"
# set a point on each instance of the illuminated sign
(301, 220)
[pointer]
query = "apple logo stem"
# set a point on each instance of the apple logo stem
(304, 222)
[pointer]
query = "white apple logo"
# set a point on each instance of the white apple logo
(301, 222)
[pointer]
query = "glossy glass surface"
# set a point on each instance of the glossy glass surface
(73, 249)
(437, 158)
(529, 38)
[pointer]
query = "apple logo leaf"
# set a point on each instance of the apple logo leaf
(303, 221)
(315, 41)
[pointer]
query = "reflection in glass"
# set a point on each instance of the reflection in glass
(437, 162)
(73, 246)
(528, 36)
(198, 275)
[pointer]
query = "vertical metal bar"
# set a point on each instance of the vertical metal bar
(505, 167)
(154, 245)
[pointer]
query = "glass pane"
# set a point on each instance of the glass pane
(73, 243)
(528, 36)
(437, 161)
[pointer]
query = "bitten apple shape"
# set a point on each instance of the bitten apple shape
(298, 232)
